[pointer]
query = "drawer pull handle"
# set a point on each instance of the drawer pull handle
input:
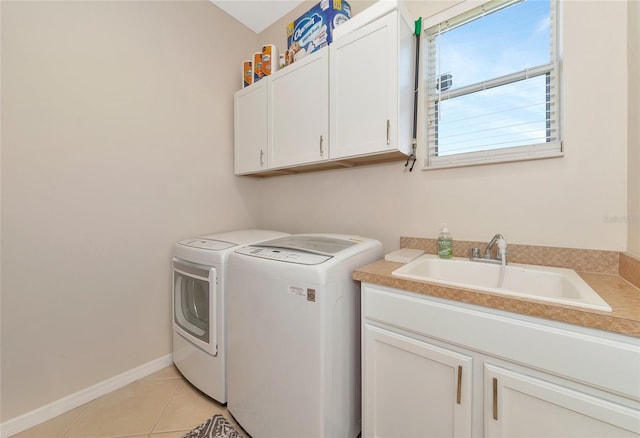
(261, 158)
(459, 392)
(388, 131)
(321, 148)
(495, 398)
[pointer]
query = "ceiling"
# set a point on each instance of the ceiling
(257, 15)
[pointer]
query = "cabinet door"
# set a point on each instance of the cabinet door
(517, 405)
(363, 87)
(299, 111)
(412, 388)
(251, 128)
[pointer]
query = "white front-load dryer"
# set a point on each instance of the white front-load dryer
(293, 350)
(199, 301)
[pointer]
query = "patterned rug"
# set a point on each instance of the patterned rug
(215, 427)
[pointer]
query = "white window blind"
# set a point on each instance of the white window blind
(492, 83)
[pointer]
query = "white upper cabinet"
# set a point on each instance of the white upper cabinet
(347, 104)
(251, 128)
(299, 112)
(371, 87)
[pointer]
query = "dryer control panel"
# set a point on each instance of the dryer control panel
(212, 245)
(284, 255)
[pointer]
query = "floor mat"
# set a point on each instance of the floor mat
(215, 427)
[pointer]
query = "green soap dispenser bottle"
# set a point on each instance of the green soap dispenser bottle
(445, 243)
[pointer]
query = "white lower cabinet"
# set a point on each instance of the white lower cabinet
(427, 388)
(518, 405)
(439, 368)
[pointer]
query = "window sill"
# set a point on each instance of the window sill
(497, 156)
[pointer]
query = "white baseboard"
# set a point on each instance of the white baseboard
(58, 407)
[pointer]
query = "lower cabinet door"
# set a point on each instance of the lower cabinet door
(517, 405)
(412, 388)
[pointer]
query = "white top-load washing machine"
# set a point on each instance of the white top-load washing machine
(293, 350)
(199, 299)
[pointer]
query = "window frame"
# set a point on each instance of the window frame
(459, 15)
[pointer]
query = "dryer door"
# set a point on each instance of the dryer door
(194, 304)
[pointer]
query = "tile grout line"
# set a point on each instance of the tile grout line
(83, 411)
(162, 411)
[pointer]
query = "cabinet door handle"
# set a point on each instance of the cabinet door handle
(388, 131)
(261, 158)
(459, 391)
(321, 148)
(495, 398)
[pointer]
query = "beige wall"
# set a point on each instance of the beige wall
(117, 140)
(633, 240)
(574, 201)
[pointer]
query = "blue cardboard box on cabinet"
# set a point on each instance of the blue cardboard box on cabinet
(314, 29)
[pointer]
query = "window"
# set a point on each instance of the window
(492, 83)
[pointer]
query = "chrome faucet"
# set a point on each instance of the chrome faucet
(488, 258)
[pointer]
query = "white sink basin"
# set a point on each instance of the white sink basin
(555, 285)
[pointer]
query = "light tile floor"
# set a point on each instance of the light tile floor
(162, 405)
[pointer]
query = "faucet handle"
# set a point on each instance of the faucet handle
(475, 253)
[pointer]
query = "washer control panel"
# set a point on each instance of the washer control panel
(284, 255)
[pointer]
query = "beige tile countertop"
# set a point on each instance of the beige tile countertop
(620, 294)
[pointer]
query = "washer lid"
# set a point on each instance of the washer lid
(310, 243)
(211, 245)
